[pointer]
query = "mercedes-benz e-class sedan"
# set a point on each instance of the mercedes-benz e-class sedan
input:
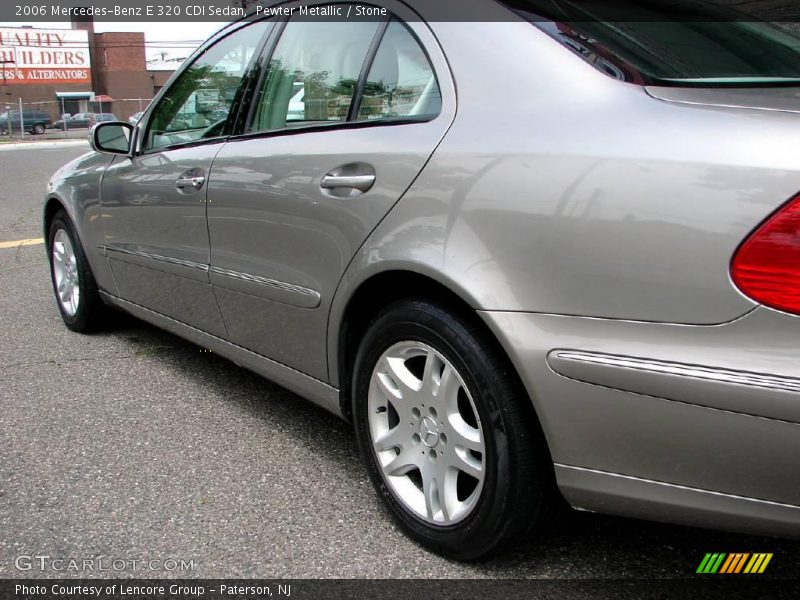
(529, 257)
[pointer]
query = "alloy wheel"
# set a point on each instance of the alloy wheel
(65, 270)
(426, 433)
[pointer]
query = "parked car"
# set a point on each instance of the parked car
(561, 264)
(76, 121)
(34, 121)
(101, 118)
(86, 120)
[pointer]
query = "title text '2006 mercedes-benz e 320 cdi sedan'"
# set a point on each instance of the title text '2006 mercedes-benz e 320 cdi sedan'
(528, 257)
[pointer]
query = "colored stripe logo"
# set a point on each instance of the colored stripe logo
(737, 562)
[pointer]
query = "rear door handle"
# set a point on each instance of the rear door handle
(190, 182)
(348, 180)
(358, 182)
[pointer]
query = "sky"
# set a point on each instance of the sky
(175, 39)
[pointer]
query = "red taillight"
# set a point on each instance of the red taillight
(766, 267)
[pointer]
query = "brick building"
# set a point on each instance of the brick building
(76, 70)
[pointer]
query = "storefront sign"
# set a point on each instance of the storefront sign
(44, 56)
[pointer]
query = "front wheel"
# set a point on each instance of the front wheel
(448, 434)
(38, 129)
(73, 283)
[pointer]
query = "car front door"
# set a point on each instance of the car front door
(154, 203)
(293, 197)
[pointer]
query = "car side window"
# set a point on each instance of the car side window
(401, 81)
(312, 74)
(198, 103)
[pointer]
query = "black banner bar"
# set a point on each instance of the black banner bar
(33, 11)
(729, 587)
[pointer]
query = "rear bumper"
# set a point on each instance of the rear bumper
(697, 424)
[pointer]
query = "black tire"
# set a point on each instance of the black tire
(92, 313)
(519, 489)
(38, 129)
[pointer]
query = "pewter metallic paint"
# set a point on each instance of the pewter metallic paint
(590, 223)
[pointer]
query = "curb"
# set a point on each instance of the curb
(43, 145)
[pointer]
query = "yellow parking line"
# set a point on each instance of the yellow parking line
(18, 243)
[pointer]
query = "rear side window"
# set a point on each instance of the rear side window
(655, 47)
(313, 73)
(323, 72)
(401, 81)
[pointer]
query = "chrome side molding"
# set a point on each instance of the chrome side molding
(676, 369)
(748, 393)
(263, 287)
(157, 257)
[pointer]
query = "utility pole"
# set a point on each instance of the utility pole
(21, 121)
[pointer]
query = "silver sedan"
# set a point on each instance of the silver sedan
(530, 257)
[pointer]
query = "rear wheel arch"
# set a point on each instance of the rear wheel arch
(374, 294)
(363, 306)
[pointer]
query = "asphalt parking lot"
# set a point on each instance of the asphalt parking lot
(136, 445)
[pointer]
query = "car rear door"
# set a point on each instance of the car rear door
(154, 203)
(293, 197)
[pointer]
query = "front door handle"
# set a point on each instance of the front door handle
(348, 180)
(184, 183)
